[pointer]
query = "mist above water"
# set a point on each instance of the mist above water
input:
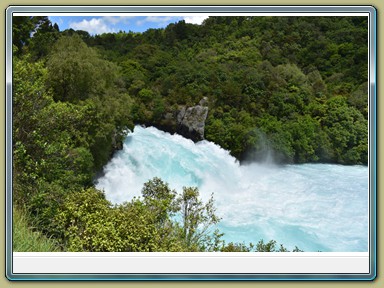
(313, 206)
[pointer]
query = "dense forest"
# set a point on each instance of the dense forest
(296, 87)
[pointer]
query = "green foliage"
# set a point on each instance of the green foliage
(159, 199)
(278, 138)
(107, 121)
(259, 247)
(304, 130)
(259, 66)
(142, 231)
(269, 247)
(347, 130)
(133, 74)
(43, 39)
(90, 223)
(237, 247)
(50, 140)
(75, 70)
(149, 107)
(197, 220)
(281, 68)
(59, 146)
(25, 238)
(86, 221)
(23, 27)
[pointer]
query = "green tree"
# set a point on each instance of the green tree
(347, 130)
(84, 222)
(197, 220)
(160, 199)
(76, 71)
(182, 219)
(23, 29)
(29, 98)
(304, 132)
(43, 39)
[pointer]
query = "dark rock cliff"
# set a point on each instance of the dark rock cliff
(187, 121)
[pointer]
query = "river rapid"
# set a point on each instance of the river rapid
(317, 207)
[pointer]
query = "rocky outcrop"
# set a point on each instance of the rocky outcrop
(187, 121)
(191, 122)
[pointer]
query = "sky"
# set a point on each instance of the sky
(111, 24)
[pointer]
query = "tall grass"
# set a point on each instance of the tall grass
(25, 239)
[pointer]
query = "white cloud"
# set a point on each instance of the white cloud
(160, 20)
(116, 19)
(93, 26)
(111, 19)
(195, 19)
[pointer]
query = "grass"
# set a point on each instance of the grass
(25, 239)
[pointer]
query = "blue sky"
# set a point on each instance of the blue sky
(110, 24)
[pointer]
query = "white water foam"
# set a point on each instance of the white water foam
(318, 207)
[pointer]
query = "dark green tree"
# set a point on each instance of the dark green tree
(24, 28)
(76, 72)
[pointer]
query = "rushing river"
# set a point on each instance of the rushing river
(317, 207)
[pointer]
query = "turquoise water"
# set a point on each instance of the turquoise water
(317, 207)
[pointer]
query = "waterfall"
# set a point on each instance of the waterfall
(317, 207)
